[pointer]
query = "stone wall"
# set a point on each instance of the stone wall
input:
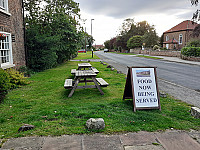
(190, 58)
(158, 53)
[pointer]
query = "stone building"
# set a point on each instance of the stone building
(12, 51)
(178, 36)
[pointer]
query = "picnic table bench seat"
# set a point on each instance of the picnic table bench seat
(73, 71)
(102, 82)
(68, 84)
(95, 70)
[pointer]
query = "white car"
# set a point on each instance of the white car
(105, 50)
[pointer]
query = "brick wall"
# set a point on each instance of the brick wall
(158, 53)
(14, 24)
(175, 35)
(190, 58)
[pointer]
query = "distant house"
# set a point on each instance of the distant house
(98, 47)
(12, 52)
(178, 36)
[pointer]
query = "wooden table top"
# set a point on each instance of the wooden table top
(84, 65)
(85, 73)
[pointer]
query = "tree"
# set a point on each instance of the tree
(196, 15)
(107, 44)
(130, 28)
(150, 38)
(51, 30)
(135, 42)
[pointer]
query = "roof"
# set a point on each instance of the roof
(185, 25)
(172, 41)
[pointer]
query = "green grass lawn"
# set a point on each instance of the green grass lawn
(45, 104)
(152, 57)
(123, 53)
(87, 55)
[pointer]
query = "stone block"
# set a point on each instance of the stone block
(162, 94)
(109, 66)
(95, 124)
(195, 111)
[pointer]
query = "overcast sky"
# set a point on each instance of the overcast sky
(109, 15)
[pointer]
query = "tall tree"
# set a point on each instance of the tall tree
(150, 38)
(196, 15)
(52, 25)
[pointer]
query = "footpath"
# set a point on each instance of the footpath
(168, 140)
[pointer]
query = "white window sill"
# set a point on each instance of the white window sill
(7, 66)
(5, 12)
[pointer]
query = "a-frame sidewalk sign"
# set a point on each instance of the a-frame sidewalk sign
(142, 87)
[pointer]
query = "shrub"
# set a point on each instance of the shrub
(194, 43)
(26, 71)
(191, 51)
(4, 84)
(16, 78)
(156, 47)
(135, 41)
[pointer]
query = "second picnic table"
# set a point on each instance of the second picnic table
(85, 76)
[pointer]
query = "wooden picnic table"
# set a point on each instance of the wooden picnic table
(84, 66)
(85, 76)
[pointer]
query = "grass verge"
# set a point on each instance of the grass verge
(151, 57)
(45, 104)
(87, 55)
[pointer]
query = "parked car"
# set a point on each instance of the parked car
(82, 51)
(106, 50)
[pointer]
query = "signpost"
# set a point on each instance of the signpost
(142, 87)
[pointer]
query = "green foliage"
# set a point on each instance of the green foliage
(191, 51)
(17, 79)
(130, 28)
(4, 84)
(25, 70)
(41, 52)
(156, 47)
(135, 42)
(150, 38)
(52, 32)
(194, 43)
(107, 44)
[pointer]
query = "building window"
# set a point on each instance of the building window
(167, 38)
(180, 38)
(4, 4)
(6, 50)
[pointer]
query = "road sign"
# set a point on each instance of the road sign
(141, 86)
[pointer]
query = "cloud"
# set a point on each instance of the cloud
(125, 8)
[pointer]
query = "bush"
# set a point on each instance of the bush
(26, 71)
(4, 84)
(135, 41)
(191, 51)
(156, 47)
(16, 78)
(194, 43)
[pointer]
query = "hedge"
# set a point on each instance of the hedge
(4, 84)
(191, 51)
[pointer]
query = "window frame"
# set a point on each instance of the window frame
(167, 38)
(5, 7)
(10, 61)
(180, 39)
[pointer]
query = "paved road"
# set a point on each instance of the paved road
(182, 74)
(179, 80)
